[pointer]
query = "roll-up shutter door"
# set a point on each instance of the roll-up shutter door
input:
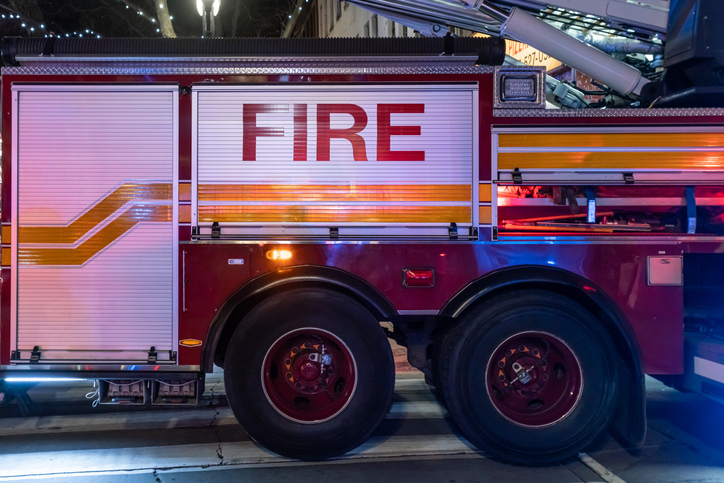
(368, 159)
(93, 222)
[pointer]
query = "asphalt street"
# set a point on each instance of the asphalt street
(66, 439)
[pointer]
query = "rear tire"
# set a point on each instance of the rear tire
(530, 377)
(309, 374)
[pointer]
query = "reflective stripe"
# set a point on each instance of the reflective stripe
(334, 193)
(618, 160)
(485, 214)
(338, 214)
(485, 193)
(611, 140)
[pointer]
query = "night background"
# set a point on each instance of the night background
(138, 18)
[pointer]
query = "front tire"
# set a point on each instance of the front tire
(530, 377)
(309, 374)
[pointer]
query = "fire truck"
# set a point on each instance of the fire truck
(170, 205)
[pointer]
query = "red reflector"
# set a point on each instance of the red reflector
(418, 277)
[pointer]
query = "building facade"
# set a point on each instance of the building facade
(337, 18)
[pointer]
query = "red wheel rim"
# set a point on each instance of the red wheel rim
(309, 375)
(534, 379)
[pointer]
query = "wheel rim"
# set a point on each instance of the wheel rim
(309, 375)
(534, 379)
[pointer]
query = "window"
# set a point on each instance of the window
(367, 29)
(404, 31)
(339, 8)
(375, 30)
(391, 28)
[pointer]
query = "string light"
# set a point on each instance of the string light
(32, 26)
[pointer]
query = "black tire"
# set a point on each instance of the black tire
(569, 398)
(282, 408)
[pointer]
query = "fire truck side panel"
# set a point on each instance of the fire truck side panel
(615, 270)
(93, 222)
(659, 356)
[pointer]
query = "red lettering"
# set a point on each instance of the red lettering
(300, 132)
(351, 134)
(252, 131)
(385, 131)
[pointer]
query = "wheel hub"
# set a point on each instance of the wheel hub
(309, 375)
(534, 379)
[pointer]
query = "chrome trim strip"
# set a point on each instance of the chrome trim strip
(194, 157)
(596, 239)
(599, 176)
(293, 68)
(14, 220)
(418, 312)
(587, 149)
(175, 218)
(610, 129)
(657, 201)
(475, 184)
(98, 368)
(665, 112)
(253, 60)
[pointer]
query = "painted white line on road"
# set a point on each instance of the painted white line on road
(172, 418)
(600, 470)
(88, 462)
(709, 369)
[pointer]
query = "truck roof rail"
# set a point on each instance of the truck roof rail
(17, 50)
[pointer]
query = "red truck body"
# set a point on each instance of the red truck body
(429, 257)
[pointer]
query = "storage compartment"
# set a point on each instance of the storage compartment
(609, 210)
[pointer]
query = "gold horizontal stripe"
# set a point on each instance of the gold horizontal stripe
(623, 161)
(335, 193)
(485, 193)
(96, 214)
(107, 235)
(5, 257)
(184, 192)
(336, 214)
(611, 140)
(5, 234)
(184, 214)
(485, 215)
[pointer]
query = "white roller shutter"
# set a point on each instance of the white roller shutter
(281, 176)
(94, 237)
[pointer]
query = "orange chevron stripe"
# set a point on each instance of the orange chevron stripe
(335, 193)
(96, 214)
(103, 238)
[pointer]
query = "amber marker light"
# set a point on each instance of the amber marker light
(190, 342)
(279, 255)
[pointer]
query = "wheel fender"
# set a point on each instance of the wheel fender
(270, 283)
(630, 421)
